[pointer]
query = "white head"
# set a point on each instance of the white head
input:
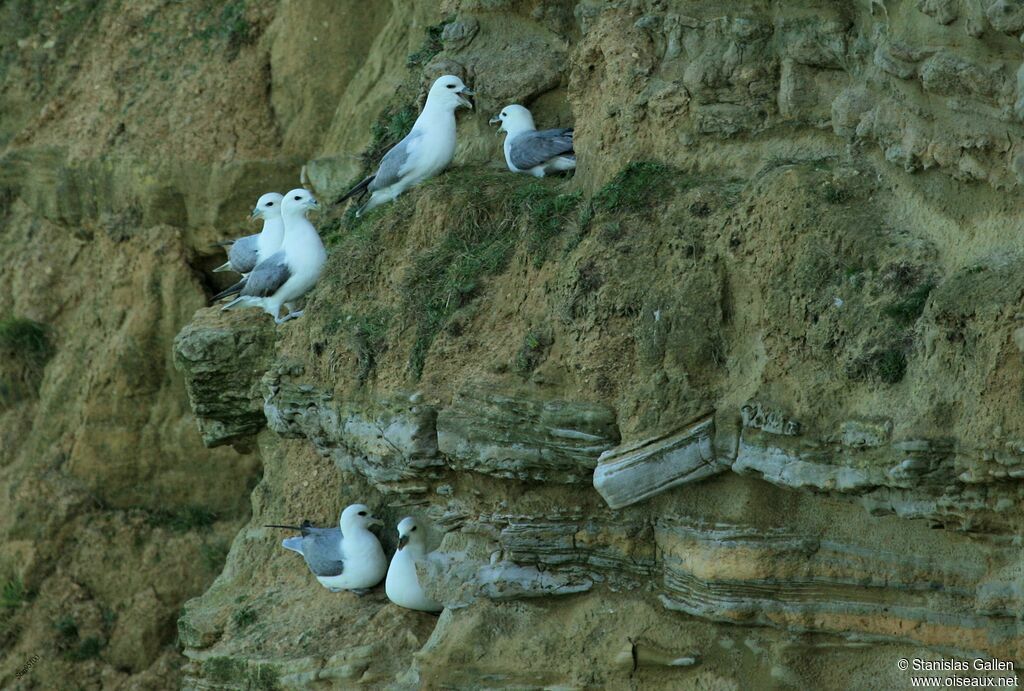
(410, 533)
(514, 119)
(358, 516)
(298, 201)
(448, 92)
(268, 206)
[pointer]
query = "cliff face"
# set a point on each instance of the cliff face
(736, 404)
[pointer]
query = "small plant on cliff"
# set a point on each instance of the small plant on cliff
(244, 617)
(481, 234)
(25, 349)
(548, 213)
(13, 594)
(910, 306)
(533, 351)
(432, 45)
(637, 186)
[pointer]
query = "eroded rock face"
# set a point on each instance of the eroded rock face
(748, 411)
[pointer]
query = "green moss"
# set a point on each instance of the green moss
(478, 242)
(367, 336)
(28, 340)
(638, 186)
(431, 46)
(548, 214)
(183, 519)
(907, 309)
(66, 628)
(13, 594)
(532, 352)
(244, 617)
(887, 365)
(223, 669)
(86, 650)
(213, 555)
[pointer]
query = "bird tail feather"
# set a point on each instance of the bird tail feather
(292, 543)
(359, 189)
(233, 303)
(236, 288)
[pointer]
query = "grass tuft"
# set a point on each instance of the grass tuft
(244, 617)
(908, 308)
(548, 213)
(183, 519)
(432, 45)
(637, 186)
(25, 348)
(478, 244)
(13, 593)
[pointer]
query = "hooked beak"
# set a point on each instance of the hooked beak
(495, 120)
(376, 521)
(256, 213)
(463, 92)
(403, 540)
(314, 204)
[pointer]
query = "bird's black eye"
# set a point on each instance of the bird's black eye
(413, 528)
(361, 513)
(451, 86)
(298, 198)
(504, 115)
(270, 203)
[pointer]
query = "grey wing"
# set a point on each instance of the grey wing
(242, 254)
(535, 148)
(389, 171)
(268, 276)
(321, 547)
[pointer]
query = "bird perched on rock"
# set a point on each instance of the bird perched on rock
(403, 585)
(530, 151)
(349, 558)
(245, 253)
(289, 273)
(425, 151)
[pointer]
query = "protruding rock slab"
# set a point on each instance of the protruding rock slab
(523, 439)
(222, 356)
(639, 471)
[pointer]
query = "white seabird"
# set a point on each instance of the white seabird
(424, 152)
(289, 273)
(530, 151)
(245, 253)
(349, 558)
(403, 585)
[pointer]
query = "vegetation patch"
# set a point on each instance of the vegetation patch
(534, 350)
(244, 617)
(887, 365)
(479, 241)
(25, 348)
(183, 519)
(639, 186)
(13, 594)
(548, 213)
(432, 45)
(908, 308)
(367, 337)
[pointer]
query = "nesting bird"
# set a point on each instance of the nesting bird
(530, 151)
(424, 152)
(349, 558)
(289, 273)
(402, 585)
(245, 253)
